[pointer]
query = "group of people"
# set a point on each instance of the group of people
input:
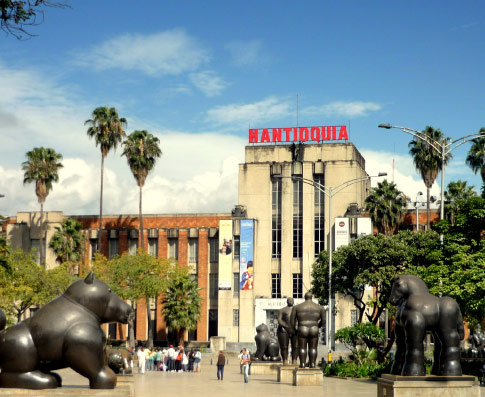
(168, 360)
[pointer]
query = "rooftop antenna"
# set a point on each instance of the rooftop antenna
(393, 156)
(297, 110)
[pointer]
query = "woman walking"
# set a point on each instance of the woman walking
(221, 361)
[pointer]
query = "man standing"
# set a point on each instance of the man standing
(221, 361)
(171, 359)
(142, 356)
(245, 360)
(306, 318)
(285, 333)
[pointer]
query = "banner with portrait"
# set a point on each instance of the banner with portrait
(246, 256)
(225, 254)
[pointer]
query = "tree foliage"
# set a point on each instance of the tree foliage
(476, 156)
(68, 242)
(456, 191)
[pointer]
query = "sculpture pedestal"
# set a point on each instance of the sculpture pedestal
(307, 377)
(427, 386)
(265, 367)
(118, 391)
(126, 381)
(285, 373)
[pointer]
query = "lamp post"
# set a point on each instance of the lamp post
(331, 191)
(443, 150)
(417, 204)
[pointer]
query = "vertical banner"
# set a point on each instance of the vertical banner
(341, 232)
(364, 227)
(246, 256)
(225, 254)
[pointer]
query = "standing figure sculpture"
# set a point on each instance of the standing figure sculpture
(417, 312)
(306, 318)
(286, 334)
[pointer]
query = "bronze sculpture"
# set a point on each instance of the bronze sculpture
(306, 318)
(286, 334)
(64, 333)
(267, 347)
(418, 311)
(118, 361)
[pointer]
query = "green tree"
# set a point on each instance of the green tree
(4, 252)
(42, 167)
(142, 151)
(360, 339)
(68, 242)
(456, 191)
(106, 128)
(135, 277)
(15, 15)
(385, 207)
(182, 303)
(427, 160)
(476, 158)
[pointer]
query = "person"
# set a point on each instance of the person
(247, 278)
(245, 360)
(239, 356)
(309, 316)
(171, 359)
(221, 361)
(158, 359)
(185, 362)
(198, 357)
(151, 360)
(191, 360)
(142, 355)
(178, 361)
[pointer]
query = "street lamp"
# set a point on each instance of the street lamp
(443, 150)
(417, 203)
(331, 191)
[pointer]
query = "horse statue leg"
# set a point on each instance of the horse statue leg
(451, 332)
(438, 348)
(415, 327)
(400, 355)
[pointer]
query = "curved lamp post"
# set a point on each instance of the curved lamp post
(331, 191)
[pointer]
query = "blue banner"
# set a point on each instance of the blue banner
(246, 257)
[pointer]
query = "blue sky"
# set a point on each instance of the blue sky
(198, 74)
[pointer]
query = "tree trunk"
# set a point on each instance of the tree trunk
(181, 333)
(141, 221)
(150, 328)
(41, 238)
(101, 204)
(428, 210)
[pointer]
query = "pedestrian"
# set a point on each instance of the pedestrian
(178, 361)
(158, 359)
(198, 357)
(191, 360)
(221, 361)
(171, 359)
(185, 362)
(239, 356)
(142, 355)
(151, 360)
(245, 360)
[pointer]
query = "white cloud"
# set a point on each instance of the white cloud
(268, 109)
(342, 109)
(208, 82)
(246, 53)
(165, 53)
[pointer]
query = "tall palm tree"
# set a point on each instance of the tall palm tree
(386, 207)
(42, 166)
(455, 192)
(142, 151)
(106, 127)
(427, 160)
(68, 242)
(476, 158)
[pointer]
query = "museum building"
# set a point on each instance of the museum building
(249, 261)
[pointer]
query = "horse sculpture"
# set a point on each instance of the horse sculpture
(418, 312)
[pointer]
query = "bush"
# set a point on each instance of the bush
(351, 369)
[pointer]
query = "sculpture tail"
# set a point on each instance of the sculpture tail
(3, 320)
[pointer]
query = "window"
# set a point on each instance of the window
(235, 317)
(153, 247)
(214, 250)
(275, 285)
(237, 246)
(297, 219)
(113, 247)
(319, 213)
(297, 285)
(353, 317)
(193, 250)
(172, 248)
(132, 246)
(213, 285)
(276, 219)
(93, 242)
(235, 292)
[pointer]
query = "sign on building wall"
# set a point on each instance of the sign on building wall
(364, 227)
(341, 232)
(298, 134)
(225, 254)
(246, 256)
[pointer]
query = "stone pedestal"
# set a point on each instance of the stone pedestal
(265, 367)
(307, 377)
(127, 381)
(427, 386)
(119, 391)
(285, 373)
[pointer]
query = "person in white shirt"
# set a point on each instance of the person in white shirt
(142, 355)
(171, 359)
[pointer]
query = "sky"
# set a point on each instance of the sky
(198, 74)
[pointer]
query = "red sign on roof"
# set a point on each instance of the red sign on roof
(298, 134)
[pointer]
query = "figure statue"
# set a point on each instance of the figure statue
(285, 333)
(64, 333)
(267, 348)
(306, 318)
(417, 312)
(118, 361)
(477, 342)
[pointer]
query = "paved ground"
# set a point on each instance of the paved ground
(205, 383)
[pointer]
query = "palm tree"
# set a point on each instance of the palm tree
(142, 151)
(106, 127)
(427, 160)
(455, 192)
(42, 166)
(386, 207)
(476, 158)
(68, 241)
